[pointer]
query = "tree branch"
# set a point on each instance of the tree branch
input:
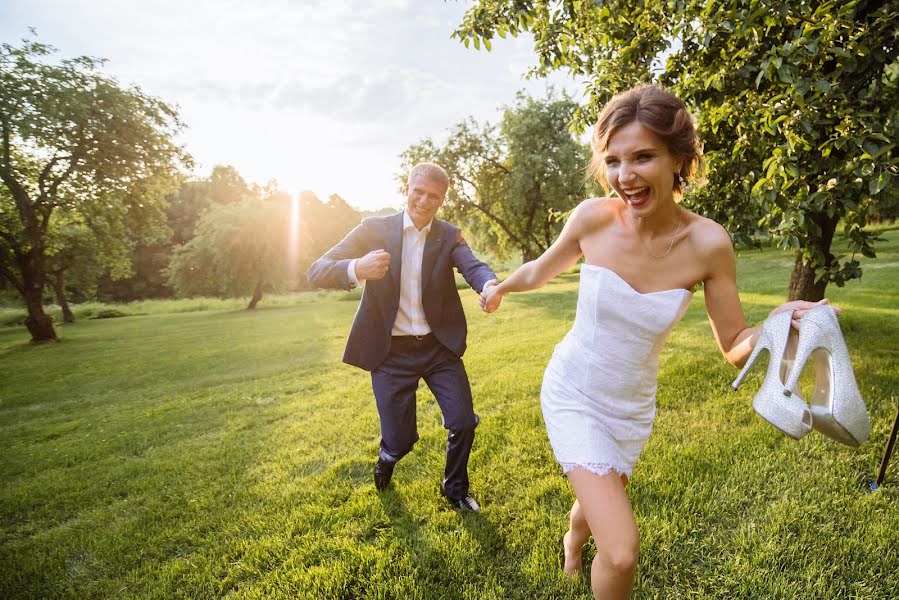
(7, 142)
(55, 185)
(534, 193)
(489, 215)
(44, 221)
(46, 173)
(9, 238)
(20, 196)
(497, 165)
(10, 277)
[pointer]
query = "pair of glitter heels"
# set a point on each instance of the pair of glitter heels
(836, 408)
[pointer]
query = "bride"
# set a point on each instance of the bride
(643, 256)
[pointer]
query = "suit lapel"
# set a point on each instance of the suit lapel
(432, 249)
(394, 242)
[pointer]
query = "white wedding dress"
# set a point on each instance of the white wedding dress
(599, 389)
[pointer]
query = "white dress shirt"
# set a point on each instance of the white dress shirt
(410, 318)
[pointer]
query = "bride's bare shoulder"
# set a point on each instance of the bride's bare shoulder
(708, 236)
(596, 212)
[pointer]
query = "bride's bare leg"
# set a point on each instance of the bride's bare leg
(604, 505)
(577, 535)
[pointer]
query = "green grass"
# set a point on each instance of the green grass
(14, 316)
(229, 453)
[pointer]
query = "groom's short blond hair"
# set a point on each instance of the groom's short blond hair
(432, 172)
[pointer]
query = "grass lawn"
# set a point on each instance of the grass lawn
(229, 453)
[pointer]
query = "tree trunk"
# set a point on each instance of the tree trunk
(257, 296)
(59, 287)
(39, 324)
(802, 281)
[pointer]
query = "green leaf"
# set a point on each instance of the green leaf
(876, 185)
(874, 150)
(758, 78)
(785, 74)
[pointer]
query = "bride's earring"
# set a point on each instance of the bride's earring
(787, 412)
(683, 183)
(837, 408)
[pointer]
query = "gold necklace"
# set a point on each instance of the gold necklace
(670, 244)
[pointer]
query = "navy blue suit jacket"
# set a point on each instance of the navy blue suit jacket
(369, 340)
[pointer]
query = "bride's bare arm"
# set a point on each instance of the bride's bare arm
(735, 337)
(561, 255)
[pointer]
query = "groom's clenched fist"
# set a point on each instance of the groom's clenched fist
(373, 265)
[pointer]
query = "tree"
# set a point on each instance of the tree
(223, 186)
(73, 253)
(322, 224)
(74, 142)
(238, 249)
(796, 103)
(510, 182)
(150, 256)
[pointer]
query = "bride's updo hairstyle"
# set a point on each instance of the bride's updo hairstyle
(659, 111)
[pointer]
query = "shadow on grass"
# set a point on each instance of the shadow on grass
(448, 561)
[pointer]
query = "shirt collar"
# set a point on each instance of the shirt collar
(407, 223)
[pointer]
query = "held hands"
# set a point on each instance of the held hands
(799, 308)
(491, 298)
(373, 266)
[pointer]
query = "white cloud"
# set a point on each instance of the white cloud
(319, 94)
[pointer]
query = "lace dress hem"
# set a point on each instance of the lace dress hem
(601, 469)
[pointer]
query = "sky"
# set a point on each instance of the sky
(319, 95)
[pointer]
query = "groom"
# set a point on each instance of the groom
(410, 324)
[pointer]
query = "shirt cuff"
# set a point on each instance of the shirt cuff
(351, 274)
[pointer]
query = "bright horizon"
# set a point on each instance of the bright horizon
(321, 97)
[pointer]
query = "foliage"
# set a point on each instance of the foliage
(238, 249)
(511, 181)
(74, 250)
(165, 458)
(150, 257)
(239, 244)
(223, 186)
(148, 261)
(796, 101)
(322, 224)
(79, 147)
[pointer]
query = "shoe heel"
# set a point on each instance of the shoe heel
(760, 345)
(810, 338)
(790, 415)
(837, 407)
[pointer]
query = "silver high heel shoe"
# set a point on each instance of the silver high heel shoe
(838, 410)
(788, 413)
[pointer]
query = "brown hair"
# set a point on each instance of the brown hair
(661, 112)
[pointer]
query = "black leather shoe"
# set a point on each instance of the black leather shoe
(466, 504)
(383, 473)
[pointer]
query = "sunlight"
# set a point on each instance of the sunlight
(293, 238)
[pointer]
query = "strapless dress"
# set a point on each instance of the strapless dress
(599, 389)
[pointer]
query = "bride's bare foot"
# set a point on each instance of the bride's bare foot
(572, 567)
